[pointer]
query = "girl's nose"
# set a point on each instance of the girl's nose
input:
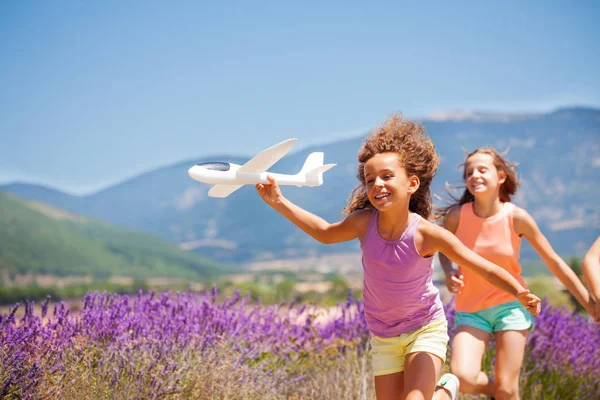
(378, 182)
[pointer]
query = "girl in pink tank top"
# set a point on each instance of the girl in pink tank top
(388, 214)
(487, 223)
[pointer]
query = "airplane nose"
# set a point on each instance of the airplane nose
(192, 171)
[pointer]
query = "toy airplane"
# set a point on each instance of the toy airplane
(228, 177)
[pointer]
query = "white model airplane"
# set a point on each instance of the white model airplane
(228, 177)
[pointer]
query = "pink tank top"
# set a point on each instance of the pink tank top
(494, 239)
(398, 295)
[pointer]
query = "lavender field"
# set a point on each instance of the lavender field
(195, 346)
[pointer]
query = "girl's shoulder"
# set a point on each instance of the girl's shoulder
(426, 227)
(428, 236)
(362, 215)
(521, 219)
(518, 214)
(454, 212)
(452, 218)
(361, 219)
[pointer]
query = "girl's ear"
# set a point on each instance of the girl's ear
(413, 184)
(501, 177)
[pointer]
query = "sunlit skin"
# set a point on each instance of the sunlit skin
(483, 179)
(591, 271)
(389, 189)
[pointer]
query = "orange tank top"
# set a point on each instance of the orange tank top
(494, 239)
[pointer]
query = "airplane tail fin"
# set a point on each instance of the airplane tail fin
(313, 168)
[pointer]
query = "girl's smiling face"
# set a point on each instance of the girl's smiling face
(387, 183)
(481, 175)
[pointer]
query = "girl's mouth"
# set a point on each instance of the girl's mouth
(382, 196)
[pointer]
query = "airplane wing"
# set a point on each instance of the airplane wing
(266, 158)
(222, 191)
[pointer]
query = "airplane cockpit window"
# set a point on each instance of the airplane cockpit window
(215, 166)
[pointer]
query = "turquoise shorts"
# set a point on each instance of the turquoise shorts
(504, 317)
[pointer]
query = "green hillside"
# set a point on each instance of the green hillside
(36, 238)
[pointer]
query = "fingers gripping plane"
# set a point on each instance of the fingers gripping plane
(229, 177)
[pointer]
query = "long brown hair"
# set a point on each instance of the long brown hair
(416, 154)
(507, 189)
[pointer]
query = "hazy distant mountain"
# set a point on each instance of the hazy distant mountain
(37, 238)
(558, 153)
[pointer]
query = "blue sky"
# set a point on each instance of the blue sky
(92, 93)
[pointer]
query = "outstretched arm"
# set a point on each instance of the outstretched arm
(591, 272)
(439, 239)
(525, 225)
(454, 279)
(315, 226)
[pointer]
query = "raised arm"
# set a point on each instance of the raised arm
(591, 272)
(454, 279)
(315, 226)
(526, 226)
(439, 239)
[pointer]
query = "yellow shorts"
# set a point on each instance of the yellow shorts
(388, 353)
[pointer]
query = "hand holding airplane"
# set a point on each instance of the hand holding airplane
(229, 177)
(271, 194)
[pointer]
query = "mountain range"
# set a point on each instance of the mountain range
(559, 167)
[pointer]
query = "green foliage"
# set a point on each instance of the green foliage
(338, 291)
(270, 290)
(546, 287)
(12, 295)
(535, 268)
(542, 283)
(63, 244)
(575, 264)
(284, 289)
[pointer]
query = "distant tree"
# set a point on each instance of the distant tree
(338, 292)
(284, 290)
(575, 264)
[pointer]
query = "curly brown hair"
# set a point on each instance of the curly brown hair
(507, 189)
(416, 154)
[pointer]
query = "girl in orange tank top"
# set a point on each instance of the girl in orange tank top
(487, 223)
(494, 239)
